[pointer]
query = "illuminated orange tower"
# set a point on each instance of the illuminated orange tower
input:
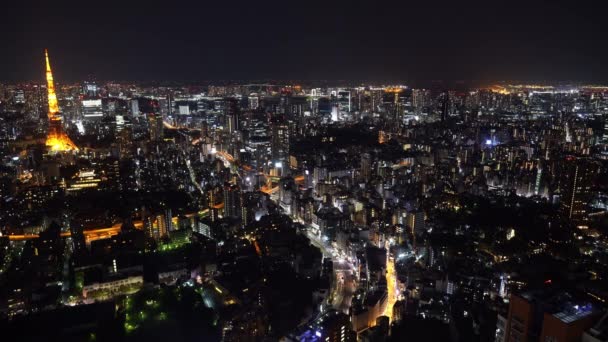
(56, 139)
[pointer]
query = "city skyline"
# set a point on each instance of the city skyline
(304, 172)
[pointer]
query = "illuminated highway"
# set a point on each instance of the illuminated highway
(96, 233)
(391, 286)
(89, 235)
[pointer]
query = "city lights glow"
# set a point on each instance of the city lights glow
(311, 212)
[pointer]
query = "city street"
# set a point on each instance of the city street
(346, 286)
(345, 282)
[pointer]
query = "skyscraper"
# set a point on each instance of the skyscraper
(415, 220)
(548, 315)
(155, 126)
(92, 110)
(344, 101)
(421, 98)
(232, 201)
(19, 96)
(366, 166)
(280, 138)
(576, 180)
(336, 328)
(90, 89)
(231, 113)
(254, 101)
(135, 107)
(445, 107)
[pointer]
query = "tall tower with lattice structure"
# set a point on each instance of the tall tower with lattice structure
(56, 139)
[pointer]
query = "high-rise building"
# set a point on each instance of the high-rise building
(84, 180)
(445, 107)
(280, 138)
(336, 328)
(344, 101)
(92, 110)
(366, 166)
(287, 191)
(19, 96)
(135, 107)
(155, 126)
(168, 219)
(548, 316)
(254, 101)
(184, 109)
(158, 225)
(202, 228)
(319, 175)
(576, 180)
(415, 220)
(392, 102)
(501, 328)
(232, 201)
(90, 89)
(421, 98)
(231, 114)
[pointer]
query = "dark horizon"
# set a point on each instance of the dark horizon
(458, 85)
(390, 42)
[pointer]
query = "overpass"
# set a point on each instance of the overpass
(89, 235)
(101, 232)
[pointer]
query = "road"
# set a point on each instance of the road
(346, 285)
(345, 282)
(95, 233)
(89, 235)
(193, 176)
(391, 286)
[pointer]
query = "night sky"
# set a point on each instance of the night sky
(306, 40)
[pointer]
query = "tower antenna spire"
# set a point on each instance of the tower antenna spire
(50, 84)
